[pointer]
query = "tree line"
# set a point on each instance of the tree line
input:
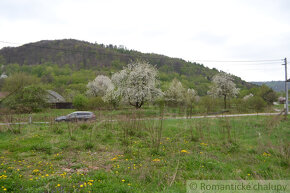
(136, 84)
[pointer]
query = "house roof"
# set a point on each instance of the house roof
(54, 97)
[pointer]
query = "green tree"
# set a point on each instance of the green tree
(18, 81)
(268, 94)
(27, 99)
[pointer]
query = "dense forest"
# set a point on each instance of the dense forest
(67, 65)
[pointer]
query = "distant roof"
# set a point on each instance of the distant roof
(54, 97)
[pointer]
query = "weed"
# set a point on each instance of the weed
(233, 147)
(73, 138)
(46, 148)
(57, 129)
(15, 129)
(226, 128)
(89, 145)
(85, 126)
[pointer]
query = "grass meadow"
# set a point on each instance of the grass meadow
(125, 155)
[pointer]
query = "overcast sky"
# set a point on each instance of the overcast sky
(224, 30)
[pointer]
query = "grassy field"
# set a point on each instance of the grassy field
(141, 156)
(147, 111)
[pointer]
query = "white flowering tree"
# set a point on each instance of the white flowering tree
(99, 86)
(112, 96)
(224, 86)
(103, 87)
(175, 92)
(191, 96)
(137, 83)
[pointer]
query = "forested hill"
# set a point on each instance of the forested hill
(79, 55)
(278, 86)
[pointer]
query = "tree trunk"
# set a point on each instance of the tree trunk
(225, 101)
(139, 105)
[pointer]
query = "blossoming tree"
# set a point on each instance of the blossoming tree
(176, 92)
(99, 86)
(137, 83)
(102, 86)
(224, 86)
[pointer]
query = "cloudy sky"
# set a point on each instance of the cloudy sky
(195, 30)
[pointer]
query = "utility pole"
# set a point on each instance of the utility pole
(286, 87)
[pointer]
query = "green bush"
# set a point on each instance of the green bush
(256, 103)
(97, 103)
(80, 102)
(28, 99)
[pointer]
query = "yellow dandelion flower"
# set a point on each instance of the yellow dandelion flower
(81, 186)
(156, 160)
(184, 151)
(123, 180)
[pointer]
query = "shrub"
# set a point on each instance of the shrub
(96, 103)
(257, 103)
(28, 99)
(80, 102)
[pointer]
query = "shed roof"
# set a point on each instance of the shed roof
(54, 97)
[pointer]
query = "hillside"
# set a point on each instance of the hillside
(278, 86)
(75, 56)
